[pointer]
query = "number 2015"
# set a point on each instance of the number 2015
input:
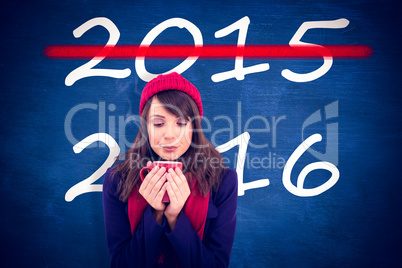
(239, 71)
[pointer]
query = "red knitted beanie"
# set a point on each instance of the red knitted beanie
(172, 81)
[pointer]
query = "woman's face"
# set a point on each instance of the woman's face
(169, 136)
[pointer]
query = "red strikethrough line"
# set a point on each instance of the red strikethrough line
(207, 51)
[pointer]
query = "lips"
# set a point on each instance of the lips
(169, 148)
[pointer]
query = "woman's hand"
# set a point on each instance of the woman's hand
(153, 188)
(178, 190)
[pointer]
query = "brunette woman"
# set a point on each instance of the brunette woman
(197, 227)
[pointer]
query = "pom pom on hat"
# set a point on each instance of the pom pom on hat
(172, 81)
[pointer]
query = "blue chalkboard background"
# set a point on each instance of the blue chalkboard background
(355, 223)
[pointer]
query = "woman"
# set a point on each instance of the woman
(196, 229)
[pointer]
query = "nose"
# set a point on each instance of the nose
(170, 132)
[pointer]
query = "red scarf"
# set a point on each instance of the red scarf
(196, 209)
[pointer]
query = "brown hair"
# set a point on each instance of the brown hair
(201, 160)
